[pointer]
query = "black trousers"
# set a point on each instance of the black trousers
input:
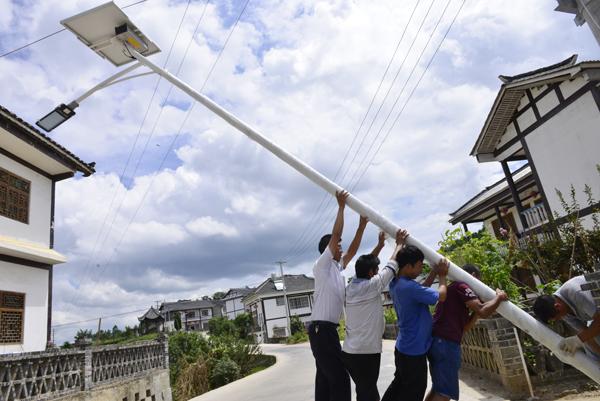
(364, 370)
(410, 378)
(332, 382)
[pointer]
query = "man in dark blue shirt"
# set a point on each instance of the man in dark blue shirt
(411, 302)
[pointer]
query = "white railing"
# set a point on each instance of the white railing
(535, 216)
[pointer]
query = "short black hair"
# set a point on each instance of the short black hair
(473, 270)
(364, 264)
(409, 255)
(323, 242)
(544, 308)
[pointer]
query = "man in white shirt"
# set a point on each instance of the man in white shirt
(364, 318)
(332, 381)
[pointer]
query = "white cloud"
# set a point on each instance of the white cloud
(221, 208)
(206, 226)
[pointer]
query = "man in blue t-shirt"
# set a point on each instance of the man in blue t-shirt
(411, 302)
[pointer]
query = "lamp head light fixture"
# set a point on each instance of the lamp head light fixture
(56, 117)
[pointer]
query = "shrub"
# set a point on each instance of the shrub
(224, 371)
(241, 352)
(221, 326)
(297, 337)
(491, 255)
(243, 325)
(185, 347)
(390, 316)
(192, 381)
(296, 325)
(341, 329)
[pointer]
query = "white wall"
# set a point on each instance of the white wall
(565, 151)
(234, 307)
(34, 283)
(38, 229)
(272, 310)
(271, 324)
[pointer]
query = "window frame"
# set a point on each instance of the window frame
(22, 311)
(28, 194)
(302, 297)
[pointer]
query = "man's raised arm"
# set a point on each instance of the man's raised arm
(338, 226)
(355, 244)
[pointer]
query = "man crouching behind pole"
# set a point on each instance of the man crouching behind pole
(364, 318)
(332, 381)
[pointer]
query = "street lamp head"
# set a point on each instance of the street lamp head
(56, 117)
(108, 31)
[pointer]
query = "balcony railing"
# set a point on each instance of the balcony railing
(535, 216)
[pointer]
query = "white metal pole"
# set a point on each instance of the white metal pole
(108, 81)
(285, 299)
(509, 310)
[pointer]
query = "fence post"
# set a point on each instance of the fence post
(508, 357)
(87, 370)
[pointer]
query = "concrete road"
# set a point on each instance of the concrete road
(292, 378)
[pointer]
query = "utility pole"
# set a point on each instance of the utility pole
(287, 307)
(99, 326)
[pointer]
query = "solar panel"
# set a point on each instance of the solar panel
(96, 29)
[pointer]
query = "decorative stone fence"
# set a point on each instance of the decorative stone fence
(493, 348)
(125, 373)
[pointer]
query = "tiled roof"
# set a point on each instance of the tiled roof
(293, 283)
(510, 94)
(239, 291)
(38, 138)
(151, 314)
(190, 304)
(566, 63)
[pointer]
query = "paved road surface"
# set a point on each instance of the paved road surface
(292, 379)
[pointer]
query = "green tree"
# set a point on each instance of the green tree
(218, 295)
(221, 326)
(296, 325)
(243, 325)
(177, 321)
(224, 371)
(491, 255)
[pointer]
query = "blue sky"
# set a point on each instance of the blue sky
(221, 210)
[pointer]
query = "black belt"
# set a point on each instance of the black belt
(324, 323)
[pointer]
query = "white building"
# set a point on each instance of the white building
(233, 305)
(585, 11)
(30, 166)
(194, 314)
(548, 122)
(268, 309)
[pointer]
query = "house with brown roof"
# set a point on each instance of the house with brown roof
(543, 129)
(31, 164)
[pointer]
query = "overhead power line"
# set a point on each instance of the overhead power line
(52, 34)
(320, 227)
(146, 114)
(317, 216)
(175, 138)
(408, 98)
(99, 317)
(415, 87)
(131, 151)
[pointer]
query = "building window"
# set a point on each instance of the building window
(14, 197)
(12, 309)
(190, 315)
(299, 303)
(279, 301)
(205, 312)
